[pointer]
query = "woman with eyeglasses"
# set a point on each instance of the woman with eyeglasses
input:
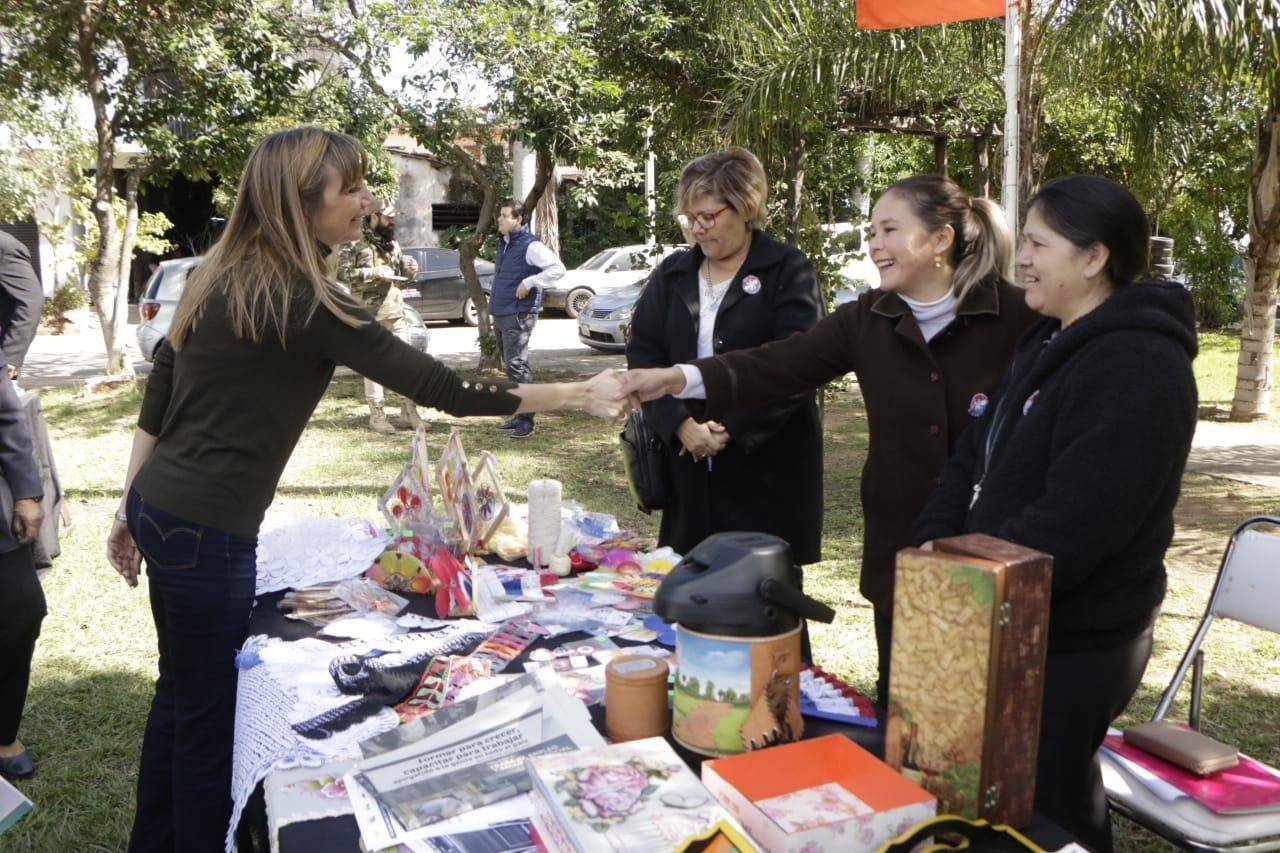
(928, 347)
(759, 468)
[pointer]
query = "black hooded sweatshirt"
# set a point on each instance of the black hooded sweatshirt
(1080, 455)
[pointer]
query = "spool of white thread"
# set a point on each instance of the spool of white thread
(562, 565)
(544, 520)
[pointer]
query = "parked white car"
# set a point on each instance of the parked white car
(160, 299)
(604, 272)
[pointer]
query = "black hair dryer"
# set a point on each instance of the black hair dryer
(739, 585)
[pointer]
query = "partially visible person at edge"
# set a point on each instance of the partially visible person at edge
(371, 268)
(523, 267)
(22, 605)
(928, 347)
(736, 288)
(1080, 455)
(21, 301)
(252, 348)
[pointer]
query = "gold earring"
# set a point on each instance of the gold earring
(937, 262)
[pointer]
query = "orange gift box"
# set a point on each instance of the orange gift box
(826, 791)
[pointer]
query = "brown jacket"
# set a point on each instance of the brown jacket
(919, 396)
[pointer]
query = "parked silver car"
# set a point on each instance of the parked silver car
(160, 298)
(604, 319)
(607, 271)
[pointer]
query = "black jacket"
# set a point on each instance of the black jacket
(1083, 450)
(21, 300)
(769, 477)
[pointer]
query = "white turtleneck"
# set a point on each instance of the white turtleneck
(932, 317)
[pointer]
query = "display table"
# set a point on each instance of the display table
(342, 833)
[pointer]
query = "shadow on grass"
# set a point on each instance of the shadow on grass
(85, 732)
(71, 415)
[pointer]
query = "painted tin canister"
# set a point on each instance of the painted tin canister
(719, 678)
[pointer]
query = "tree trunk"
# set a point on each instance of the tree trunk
(862, 189)
(120, 309)
(544, 169)
(467, 251)
(982, 166)
(104, 281)
(940, 156)
(547, 217)
(1258, 327)
(795, 185)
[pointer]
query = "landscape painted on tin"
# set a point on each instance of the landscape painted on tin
(713, 693)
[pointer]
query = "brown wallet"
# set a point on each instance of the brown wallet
(1184, 747)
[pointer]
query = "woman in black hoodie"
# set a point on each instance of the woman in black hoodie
(1081, 456)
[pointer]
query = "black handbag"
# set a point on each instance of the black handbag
(644, 457)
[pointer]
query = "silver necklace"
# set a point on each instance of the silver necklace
(706, 280)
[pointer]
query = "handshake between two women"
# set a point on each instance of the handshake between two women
(613, 393)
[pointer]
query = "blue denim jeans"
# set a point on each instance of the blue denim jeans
(201, 583)
(513, 332)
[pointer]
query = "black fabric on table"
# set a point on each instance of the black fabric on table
(343, 833)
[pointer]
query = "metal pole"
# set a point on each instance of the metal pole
(1012, 66)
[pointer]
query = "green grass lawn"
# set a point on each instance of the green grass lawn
(96, 659)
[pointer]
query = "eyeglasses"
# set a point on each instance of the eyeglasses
(706, 220)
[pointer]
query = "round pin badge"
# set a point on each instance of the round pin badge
(978, 405)
(751, 285)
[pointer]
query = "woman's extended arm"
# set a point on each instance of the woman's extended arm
(595, 396)
(748, 378)
(374, 352)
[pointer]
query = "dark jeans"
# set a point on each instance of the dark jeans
(513, 332)
(202, 584)
(1083, 693)
(22, 608)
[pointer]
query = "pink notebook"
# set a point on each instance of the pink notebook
(1247, 787)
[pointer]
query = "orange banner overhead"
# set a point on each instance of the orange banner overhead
(892, 14)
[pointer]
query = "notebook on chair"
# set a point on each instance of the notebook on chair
(1248, 788)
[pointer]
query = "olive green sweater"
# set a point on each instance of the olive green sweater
(227, 412)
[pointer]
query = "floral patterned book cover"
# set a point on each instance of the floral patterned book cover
(636, 796)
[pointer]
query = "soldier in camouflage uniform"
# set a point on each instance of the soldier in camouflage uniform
(373, 268)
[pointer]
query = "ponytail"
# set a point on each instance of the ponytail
(982, 249)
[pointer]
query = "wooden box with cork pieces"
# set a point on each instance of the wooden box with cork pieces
(966, 679)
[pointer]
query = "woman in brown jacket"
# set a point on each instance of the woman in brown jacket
(928, 347)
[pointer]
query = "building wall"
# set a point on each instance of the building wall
(422, 184)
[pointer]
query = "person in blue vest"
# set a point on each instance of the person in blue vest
(523, 267)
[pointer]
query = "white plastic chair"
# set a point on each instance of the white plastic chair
(1247, 590)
